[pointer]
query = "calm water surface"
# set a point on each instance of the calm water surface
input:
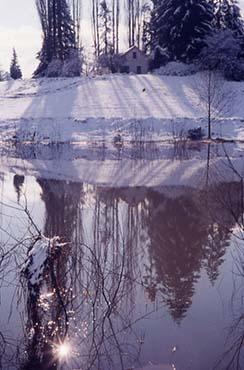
(147, 278)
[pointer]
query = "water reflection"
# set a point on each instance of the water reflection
(49, 302)
(125, 254)
(61, 201)
(181, 235)
(187, 233)
(18, 184)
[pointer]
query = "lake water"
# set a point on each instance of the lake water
(148, 277)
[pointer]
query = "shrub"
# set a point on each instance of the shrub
(72, 66)
(54, 68)
(177, 69)
(222, 54)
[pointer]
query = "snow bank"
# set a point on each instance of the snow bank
(177, 69)
(97, 130)
(138, 107)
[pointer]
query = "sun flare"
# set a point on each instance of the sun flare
(63, 350)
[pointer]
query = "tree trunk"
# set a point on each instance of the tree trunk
(117, 26)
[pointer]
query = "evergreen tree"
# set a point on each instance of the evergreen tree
(222, 53)
(59, 36)
(15, 71)
(105, 26)
(146, 37)
(228, 16)
(181, 26)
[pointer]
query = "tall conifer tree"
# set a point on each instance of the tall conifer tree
(59, 36)
(228, 16)
(181, 26)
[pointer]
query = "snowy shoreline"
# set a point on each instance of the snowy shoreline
(159, 166)
(133, 108)
(69, 130)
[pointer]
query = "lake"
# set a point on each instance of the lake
(147, 270)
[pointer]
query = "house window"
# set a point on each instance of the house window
(138, 70)
(134, 55)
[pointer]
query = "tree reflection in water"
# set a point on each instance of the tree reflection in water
(233, 357)
(185, 235)
(86, 295)
(117, 244)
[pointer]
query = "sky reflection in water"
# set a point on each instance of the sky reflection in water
(146, 278)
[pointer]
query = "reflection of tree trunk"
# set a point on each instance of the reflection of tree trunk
(208, 164)
(50, 325)
(116, 240)
(110, 276)
(18, 183)
(242, 203)
(39, 351)
(61, 200)
(209, 104)
(177, 233)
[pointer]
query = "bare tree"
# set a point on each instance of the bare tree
(76, 8)
(115, 6)
(117, 20)
(135, 18)
(214, 96)
(105, 21)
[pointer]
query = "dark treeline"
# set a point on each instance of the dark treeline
(167, 30)
(60, 27)
(181, 27)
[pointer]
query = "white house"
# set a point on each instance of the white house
(133, 61)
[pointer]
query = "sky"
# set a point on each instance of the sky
(20, 28)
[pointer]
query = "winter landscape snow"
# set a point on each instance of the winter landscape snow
(98, 108)
(122, 185)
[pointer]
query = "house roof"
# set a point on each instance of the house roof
(134, 47)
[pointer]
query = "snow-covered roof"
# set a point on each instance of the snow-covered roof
(134, 47)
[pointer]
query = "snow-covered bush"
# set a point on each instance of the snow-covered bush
(54, 68)
(222, 54)
(4, 76)
(177, 69)
(39, 256)
(72, 66)
(108, 62)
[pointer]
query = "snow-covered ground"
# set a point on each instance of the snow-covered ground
(135, 107)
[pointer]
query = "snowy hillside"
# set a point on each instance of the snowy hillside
(91, 108)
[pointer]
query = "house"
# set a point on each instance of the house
(133, 60)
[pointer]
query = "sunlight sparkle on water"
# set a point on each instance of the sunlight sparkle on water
(63, 350)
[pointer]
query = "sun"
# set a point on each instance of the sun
(63, 350)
